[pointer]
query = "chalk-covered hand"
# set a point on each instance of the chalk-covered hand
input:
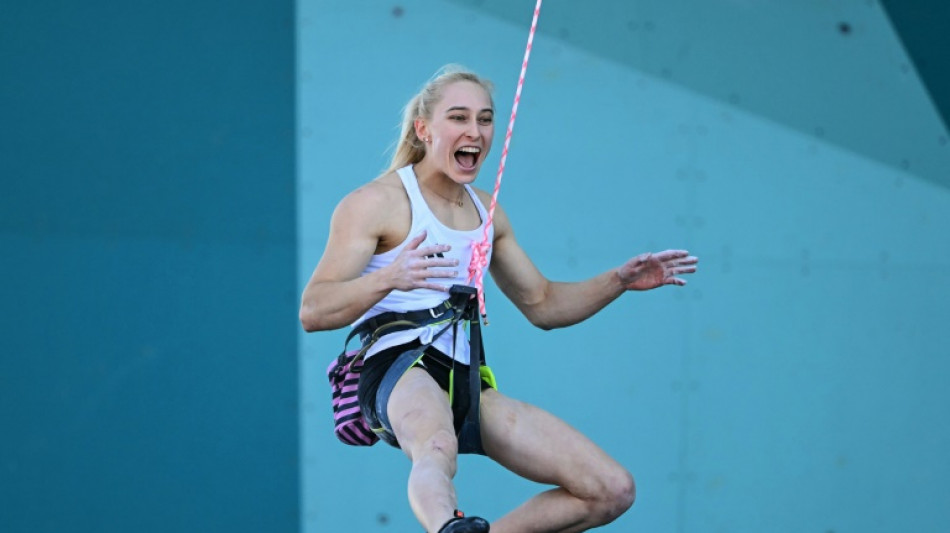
(651, 270)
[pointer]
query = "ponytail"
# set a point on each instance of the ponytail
(409, 147)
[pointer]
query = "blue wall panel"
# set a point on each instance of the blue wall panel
(147, 355)
(832, 70)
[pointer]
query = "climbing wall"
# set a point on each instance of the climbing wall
(796, 383)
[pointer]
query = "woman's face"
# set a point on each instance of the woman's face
(460, 131)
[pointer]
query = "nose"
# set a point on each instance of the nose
(473, 130)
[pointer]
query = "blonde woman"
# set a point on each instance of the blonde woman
(397, 244)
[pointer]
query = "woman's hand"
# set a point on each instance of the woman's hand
(649, 271)
(414, 266)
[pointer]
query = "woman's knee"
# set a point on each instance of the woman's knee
(617, 492)
(442, 442)
(440, 445)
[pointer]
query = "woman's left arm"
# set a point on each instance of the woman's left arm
(549, 304)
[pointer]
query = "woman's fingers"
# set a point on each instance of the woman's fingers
(669, 255)
(416, 241)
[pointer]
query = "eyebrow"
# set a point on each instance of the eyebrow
(463, 108)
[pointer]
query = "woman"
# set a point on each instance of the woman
(397, 244)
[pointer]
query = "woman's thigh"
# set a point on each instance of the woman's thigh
(418, 409)
(539, 446)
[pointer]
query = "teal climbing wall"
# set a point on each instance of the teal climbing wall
(798, 382)
(147, 250)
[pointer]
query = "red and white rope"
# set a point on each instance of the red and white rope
(476, 269)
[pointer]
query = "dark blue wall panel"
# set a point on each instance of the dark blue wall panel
(147, 251)
(922, 28)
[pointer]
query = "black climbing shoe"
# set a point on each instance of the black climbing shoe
(465, 524)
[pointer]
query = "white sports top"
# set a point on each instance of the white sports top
(419, 299)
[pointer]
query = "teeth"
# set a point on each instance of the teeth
(470, 149)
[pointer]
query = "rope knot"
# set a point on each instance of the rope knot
(476, 271)
(479, 260)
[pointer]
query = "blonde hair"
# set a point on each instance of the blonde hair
(409, 148)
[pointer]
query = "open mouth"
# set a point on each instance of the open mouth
(467, 157)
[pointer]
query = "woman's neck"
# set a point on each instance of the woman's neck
(440, 185)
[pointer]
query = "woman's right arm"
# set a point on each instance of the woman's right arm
(337, 294)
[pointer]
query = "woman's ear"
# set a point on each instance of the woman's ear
(422, 130)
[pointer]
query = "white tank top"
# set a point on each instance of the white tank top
(419, 299)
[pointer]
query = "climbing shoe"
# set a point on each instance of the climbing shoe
(465, 524)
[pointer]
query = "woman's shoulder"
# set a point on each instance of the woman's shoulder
(486, 198)
(483, 197)
(381, 191)
(500, 220)
(388, 181)
(375, 199)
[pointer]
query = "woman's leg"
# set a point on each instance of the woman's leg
(421, 418)
(593, 489)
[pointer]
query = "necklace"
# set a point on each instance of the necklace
(457, 201)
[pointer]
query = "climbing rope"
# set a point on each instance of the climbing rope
(476, 268)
